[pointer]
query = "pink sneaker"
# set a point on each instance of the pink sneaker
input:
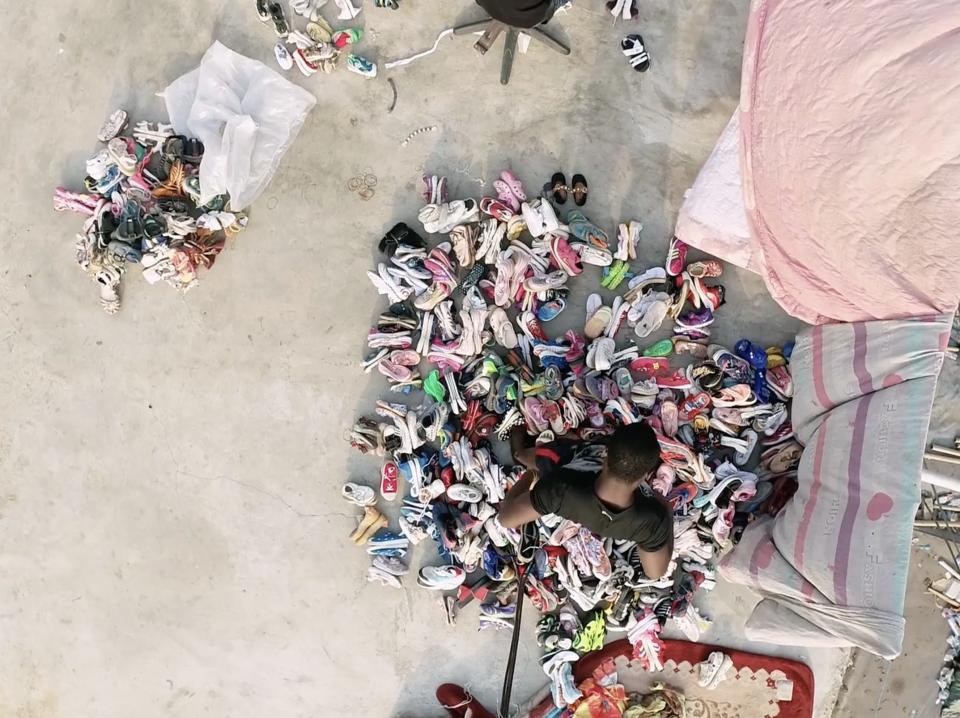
(564, 256)
(676, 257)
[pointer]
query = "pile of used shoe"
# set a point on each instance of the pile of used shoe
(465, 333)
(141, 208)
(316, 48)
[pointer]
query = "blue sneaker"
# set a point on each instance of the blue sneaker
(550, 310)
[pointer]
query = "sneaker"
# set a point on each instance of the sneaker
(676, 257)
(361, 66)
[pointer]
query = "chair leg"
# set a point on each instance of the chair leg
(541, 36)
(509, 52)
(489, 37)
(472, 27)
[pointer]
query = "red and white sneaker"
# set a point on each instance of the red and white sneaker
(389, 481)
(676, 257)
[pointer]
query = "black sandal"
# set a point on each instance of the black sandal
(558, 186)
(580, 190)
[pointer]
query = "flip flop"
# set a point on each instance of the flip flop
(579, 189)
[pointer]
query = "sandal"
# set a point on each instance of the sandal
(113, 126)
(109, 280)
(579, 190)
(635, 52)
(558, 187)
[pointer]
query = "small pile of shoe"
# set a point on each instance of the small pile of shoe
(465, 337)
(142, 207)
(318, 47)
(385, 547)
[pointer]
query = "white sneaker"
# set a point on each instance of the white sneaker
(359, 495)
(550, 221)
(377, 575)
(533, 219)
(465, 492)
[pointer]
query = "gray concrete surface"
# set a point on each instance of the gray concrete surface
(905, 687)
(172, 541)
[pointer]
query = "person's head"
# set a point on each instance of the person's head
(633, 453)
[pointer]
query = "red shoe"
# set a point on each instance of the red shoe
(676, 257)
(389, 481)
(457, 701)
(447, 476)
(649, 367)
(693, 405)
(674, 380)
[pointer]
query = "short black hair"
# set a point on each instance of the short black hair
(633, 452)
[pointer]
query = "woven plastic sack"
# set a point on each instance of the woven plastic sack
(246, 115)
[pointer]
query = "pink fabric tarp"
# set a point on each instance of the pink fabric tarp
(850, 159)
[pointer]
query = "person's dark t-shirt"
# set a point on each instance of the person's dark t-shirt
(570, 494)
(519, 13)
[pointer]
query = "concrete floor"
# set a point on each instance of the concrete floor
(172, 541)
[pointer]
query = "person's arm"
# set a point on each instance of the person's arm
(517, 508)
(656, 562)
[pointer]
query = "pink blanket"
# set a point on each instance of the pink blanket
(850, 158)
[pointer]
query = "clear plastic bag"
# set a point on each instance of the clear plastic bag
(246, 115)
